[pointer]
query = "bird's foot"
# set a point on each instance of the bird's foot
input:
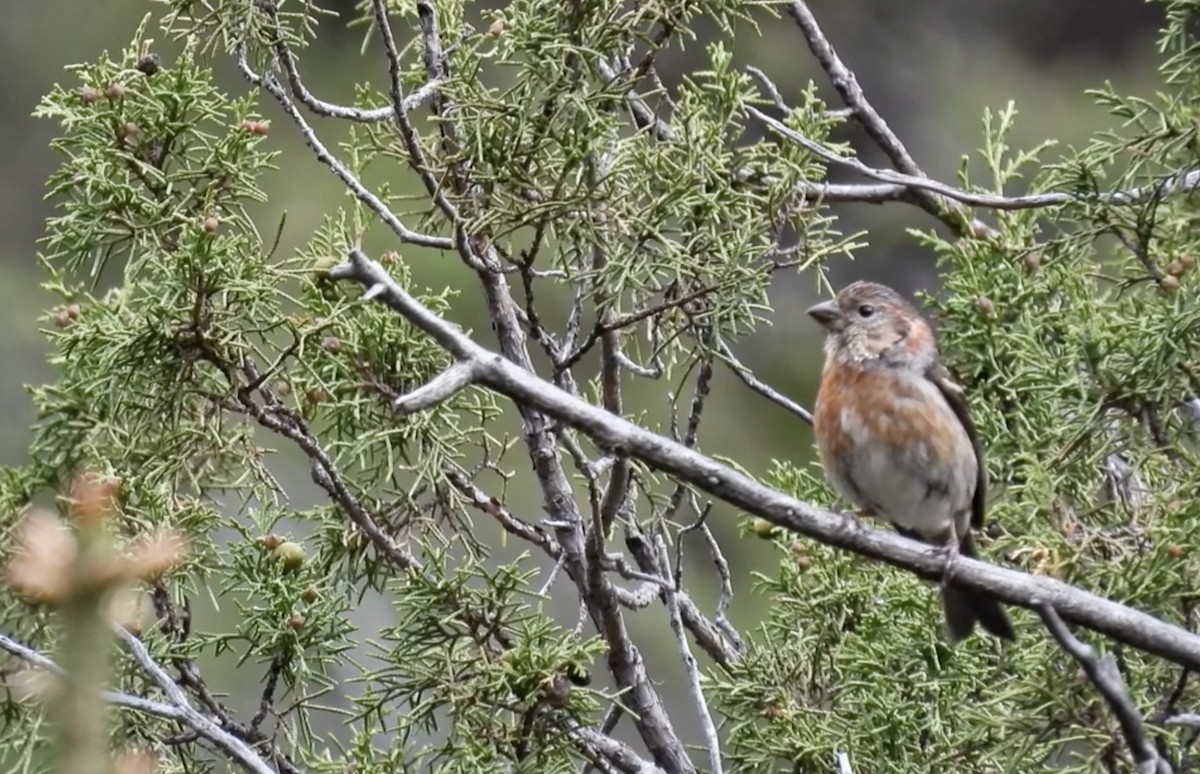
(948, 551)
(854, 521)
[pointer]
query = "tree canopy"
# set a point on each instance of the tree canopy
(299, 470)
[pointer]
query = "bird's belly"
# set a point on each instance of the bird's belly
(903, 496)
(907, 459)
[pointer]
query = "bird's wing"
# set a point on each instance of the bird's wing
(953, 394)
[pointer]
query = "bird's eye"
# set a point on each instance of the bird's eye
(866, 310)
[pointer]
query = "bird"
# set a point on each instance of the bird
(895, 438)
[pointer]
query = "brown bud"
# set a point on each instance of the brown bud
(271, 541)
(211, 224)
(798, 548)
(93, 496)
(1176, 551)
(149, 64)
(1175, 268)
(134, 761)
(309, 595)
(62, 319)
(557, 690)
(297, 621)
(773, 712)
(1169, 284)
(496, 28)
(41, 564)
(803, 563)
(985, 306)
(115, 91)
(331, 344)
(151, 556)
(283, 389)
(129, 129)
(390, 258)
(316, 395)
(89, 95)
(1081, 676)
(1031, 262)
(1188, 262)
(259, 128)
(73, 311)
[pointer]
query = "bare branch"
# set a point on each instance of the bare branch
(323, 154)
(494, 508)
(899, 186)
(442, 387)
(690, 668)
(638, 370)
(324, 472)
(1186, 720)
(291, 69)
(232, 746)
(179, 710)
(726, 596)
(843, 80)
(1106, 676)
(625, 661)
(619, 754)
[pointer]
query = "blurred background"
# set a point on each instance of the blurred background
(930, 68)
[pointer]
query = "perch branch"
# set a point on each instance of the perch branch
(612, 433)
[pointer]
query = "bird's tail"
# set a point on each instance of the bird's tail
(963, 609)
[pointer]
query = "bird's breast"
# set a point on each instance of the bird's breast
(890, 443)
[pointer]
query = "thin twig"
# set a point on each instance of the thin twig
(496, 509)
(707, 727)
(1184, 182)
(762, 388)
(323, 154)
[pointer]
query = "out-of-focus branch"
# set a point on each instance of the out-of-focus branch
(1106, 676)
(179, 710)
(1011, 586)
(232, 746)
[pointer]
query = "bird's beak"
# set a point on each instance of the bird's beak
(827, 314)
